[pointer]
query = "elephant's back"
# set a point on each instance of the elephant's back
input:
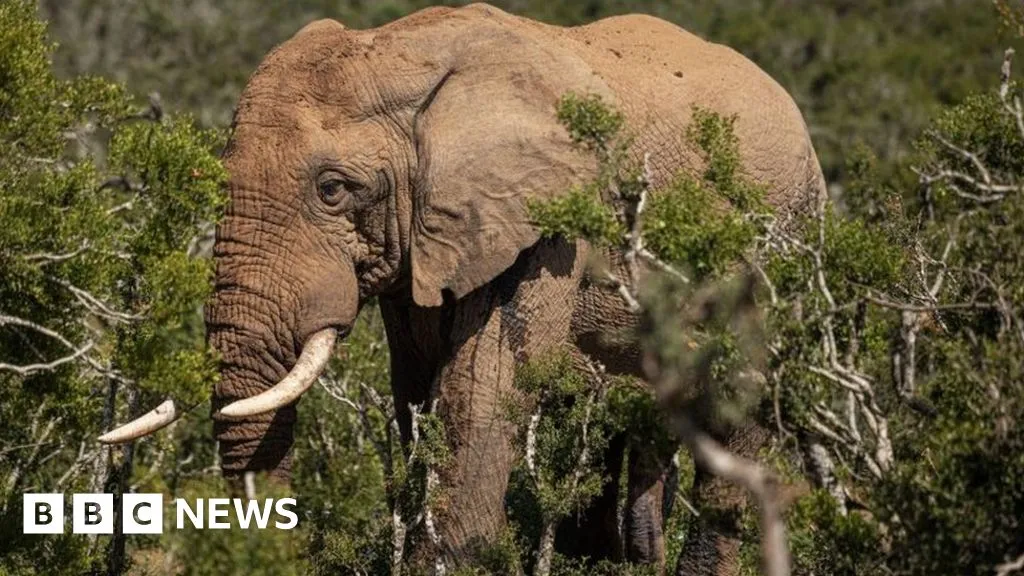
(659, 72)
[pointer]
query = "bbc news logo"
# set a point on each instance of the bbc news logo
(144, 513)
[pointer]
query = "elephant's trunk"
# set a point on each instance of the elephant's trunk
(282, 296)
(280, 302)
(251, 362)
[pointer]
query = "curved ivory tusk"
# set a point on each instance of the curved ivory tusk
(148, 423)
(311, 363)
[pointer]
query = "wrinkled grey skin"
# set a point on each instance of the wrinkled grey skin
(396, 163)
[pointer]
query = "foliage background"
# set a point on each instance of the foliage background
(870, 77)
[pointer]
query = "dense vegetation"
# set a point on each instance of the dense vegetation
(890, 348)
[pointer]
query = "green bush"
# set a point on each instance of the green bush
(101, 206)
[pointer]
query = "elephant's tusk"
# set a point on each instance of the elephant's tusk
(148, 423)
(311, 363)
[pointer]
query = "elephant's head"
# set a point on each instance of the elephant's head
(391, 161)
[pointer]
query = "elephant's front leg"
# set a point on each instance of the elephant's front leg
(644, 520)
(524, 312)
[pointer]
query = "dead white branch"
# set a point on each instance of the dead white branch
(824, 470)
(426, 515)
(596, 394)
(96, 306)
(762, 486)
(52, 258)
(1013, 107)
(77, 352)
(1007, 568)
(29, 369)
(623, 291)
(531, 442)
(635, 239)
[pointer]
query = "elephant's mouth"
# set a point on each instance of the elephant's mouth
(316, 353)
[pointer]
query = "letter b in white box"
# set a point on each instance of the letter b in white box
(143, 513)
(92, 513)
(43, 514)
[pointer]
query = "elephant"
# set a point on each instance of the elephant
(397, 163)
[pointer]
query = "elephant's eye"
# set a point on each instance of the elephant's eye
(333, 187)
(331, 191)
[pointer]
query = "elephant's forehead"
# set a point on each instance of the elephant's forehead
(356, 73)
(301, 139)
(280, 113)
(274, 96)
(294, 107)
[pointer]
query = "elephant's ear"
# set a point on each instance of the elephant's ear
(489, 141)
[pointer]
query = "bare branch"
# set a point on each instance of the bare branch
(76, 466)
(973, 158)
(824, 470)
(1007, 568)
(77, 352)
(51, 258)
(624, 292)
(531, 443)
(751, 476)
(1014, 109)
(426, 515)
(96, 306)
(994, 192)
(29, 369)
(40, 434)
(635, 239)
(660, 264)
